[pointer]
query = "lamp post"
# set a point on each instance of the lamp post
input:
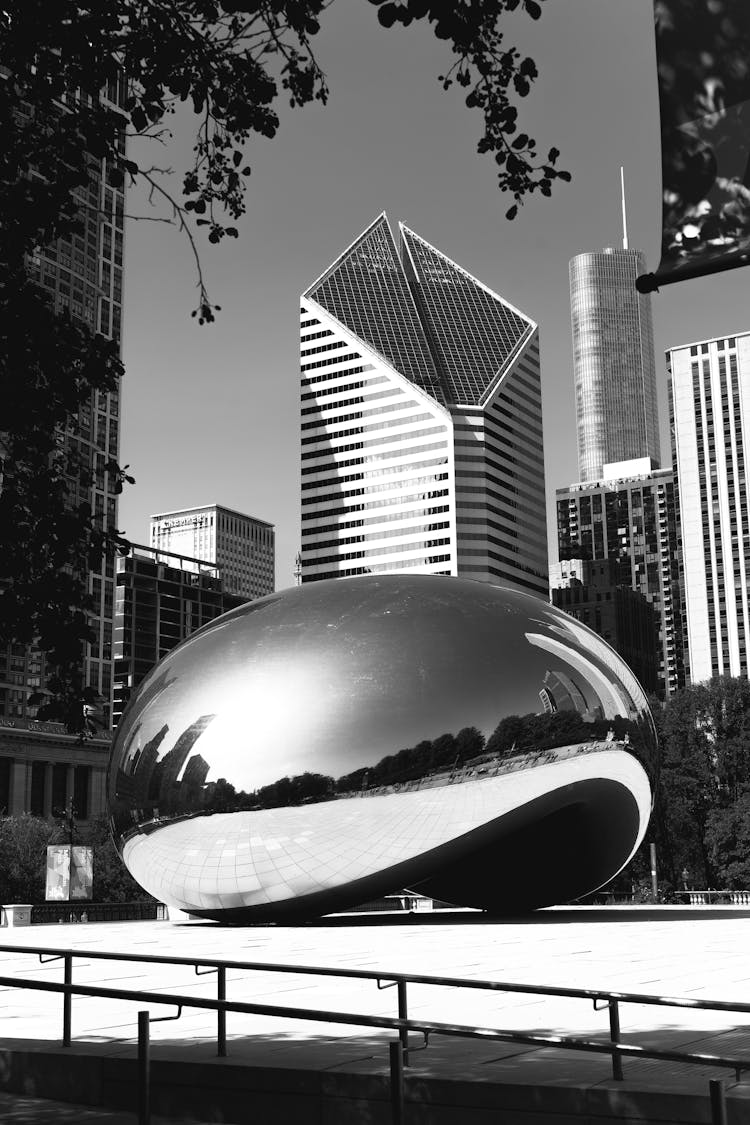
(66, 821)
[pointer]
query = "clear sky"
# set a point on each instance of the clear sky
(211, 414)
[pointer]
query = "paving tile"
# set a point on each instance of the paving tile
(662, 952)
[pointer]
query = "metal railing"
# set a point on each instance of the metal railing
(401, 1023)
(46, 913)
(710, 896)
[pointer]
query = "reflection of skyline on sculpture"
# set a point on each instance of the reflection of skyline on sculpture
(330, 690)
(348, 738)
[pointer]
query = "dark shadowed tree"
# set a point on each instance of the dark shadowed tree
(687, 790)
(232, 62)
(23, 857)
(704, 735)
(728, 842)
(469, 743)
(112, 880)
(507, 736)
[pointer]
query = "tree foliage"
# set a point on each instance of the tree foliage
(23, 847)
(112, 880)
(23, 871)
(231, 62)
(493, 73)
(704, 733)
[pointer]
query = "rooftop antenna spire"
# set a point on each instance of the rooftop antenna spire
(624, 214)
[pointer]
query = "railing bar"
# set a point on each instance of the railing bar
(144, 1069)
(403, 1014)
(360, 1020)
(67, 1000)
(614, 1034)
(717, 1098)
(396, 1059)
(416, 978)
(221, 1015)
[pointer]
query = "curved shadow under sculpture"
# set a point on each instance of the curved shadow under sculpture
(342, 740)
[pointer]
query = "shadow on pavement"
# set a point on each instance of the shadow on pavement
(556, 917)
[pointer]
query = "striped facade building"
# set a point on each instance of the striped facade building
(421, 421)
(710, 423)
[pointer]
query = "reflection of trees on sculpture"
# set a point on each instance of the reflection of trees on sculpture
(176, 786)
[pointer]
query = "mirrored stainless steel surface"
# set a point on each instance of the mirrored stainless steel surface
(344, 739)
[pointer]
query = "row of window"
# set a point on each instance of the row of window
(379, 441)
(343, 374)
(367, 521)
(376, 412)
(375, 536)
(331, 359)
(407, 467)
(381, 568)
(346, 389)
(315, 513)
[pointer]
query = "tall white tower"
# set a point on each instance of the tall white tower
(710, 415)
(613, 359)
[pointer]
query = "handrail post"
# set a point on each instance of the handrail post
(614, 1034)
(144, 1070)
(717, 1094)
(67, 998)
(221, 1015)
(403, 1014)
(396, 1058)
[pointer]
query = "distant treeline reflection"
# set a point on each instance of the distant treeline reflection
(154, 789)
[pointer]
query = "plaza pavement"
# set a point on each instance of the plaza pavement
(696, 952)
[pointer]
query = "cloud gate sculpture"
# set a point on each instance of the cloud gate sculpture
(338, 741)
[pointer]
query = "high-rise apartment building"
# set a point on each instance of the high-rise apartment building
(613, 357)
(242, 546)
(593, 593)
(82, 275)
(630, 516)
(161, 598)
(421, 420)
(710, 416)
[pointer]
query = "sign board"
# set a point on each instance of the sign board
(70, 877)
(82, 873)
(58, 873)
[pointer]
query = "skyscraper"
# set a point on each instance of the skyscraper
(82, 275)
(241, 545)
(613, 357)
(161, 598)
(630, 516)
(421, 420)
(593, 593)
(710, 415)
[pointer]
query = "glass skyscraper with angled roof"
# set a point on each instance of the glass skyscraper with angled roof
(421, 420)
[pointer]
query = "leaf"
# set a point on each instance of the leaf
(139, 119)
(387, 15)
